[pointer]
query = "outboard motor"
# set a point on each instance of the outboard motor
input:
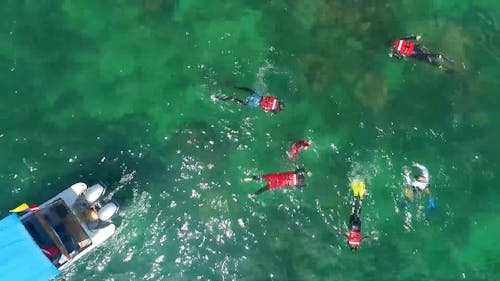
(79, 188)
(94, 193)
(100, 213)
(108, 211)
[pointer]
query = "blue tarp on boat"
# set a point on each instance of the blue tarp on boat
(20, 257)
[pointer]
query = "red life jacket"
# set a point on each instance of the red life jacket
(404, 47)
(354, 238)
(269, 103)
(50, 251)
(281, 179)
(297, 147)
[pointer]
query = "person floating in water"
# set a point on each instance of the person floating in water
(255, 100)
(276, 180)
(404, 47)
(421, 182)
(354, 238)
(297, 147)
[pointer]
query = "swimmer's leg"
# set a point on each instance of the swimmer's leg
(431, 205)
(359, 206)
(435, 59)
(261, 190)
(356, 206)
(422, 54)
(410, 194)
(354, 222)
(403, 204)
(254, 178)
(236, 100)
(443, 62)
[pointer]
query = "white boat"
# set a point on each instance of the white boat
(47, 239)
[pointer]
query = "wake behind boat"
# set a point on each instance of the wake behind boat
(45, 240)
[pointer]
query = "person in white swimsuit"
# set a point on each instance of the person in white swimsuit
(419, 183)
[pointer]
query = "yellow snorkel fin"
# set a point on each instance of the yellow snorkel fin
(358, 188)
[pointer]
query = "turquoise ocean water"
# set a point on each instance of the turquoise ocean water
(121, 91)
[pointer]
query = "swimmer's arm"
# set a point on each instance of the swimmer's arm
(408, 179)
(301, 145)
(254, 178)
(300, 171)
(395, 55)
(424, 170)
(428, 191)
(345, 236)
(302, 185)
(412, 37)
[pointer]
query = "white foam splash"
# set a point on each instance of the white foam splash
(195, 194)
(334, 148)
(241, 223)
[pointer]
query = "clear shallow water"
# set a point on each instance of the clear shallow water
(131, 83)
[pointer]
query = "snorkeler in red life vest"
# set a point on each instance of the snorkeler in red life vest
(354, 238)
(406, 47)
(277, 180)
(266, 103)
(297, 147)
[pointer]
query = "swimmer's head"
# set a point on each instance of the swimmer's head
(308, 143)
(281, 106)
(420, 178)
(309, 174)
